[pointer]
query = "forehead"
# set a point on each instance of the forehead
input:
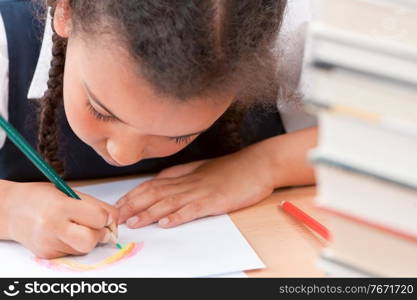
(113, 76)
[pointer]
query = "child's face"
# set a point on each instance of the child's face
(117, 113)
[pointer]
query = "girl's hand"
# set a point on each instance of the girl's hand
(51, 225)
(204, 188)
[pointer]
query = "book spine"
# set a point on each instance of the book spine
(317, 158)
(362, 60)
(325, 33)
(371, 17)
(402, 127)
(323, 64)
(327, 261)
(377, 226)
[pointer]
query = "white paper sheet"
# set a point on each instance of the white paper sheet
(231, 275)
(201, 248)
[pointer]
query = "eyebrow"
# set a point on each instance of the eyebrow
(94, 98)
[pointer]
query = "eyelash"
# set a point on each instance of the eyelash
(98, 115)
(182, 139)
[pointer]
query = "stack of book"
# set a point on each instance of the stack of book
(362, 60)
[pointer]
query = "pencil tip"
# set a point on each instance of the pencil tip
(119, 246)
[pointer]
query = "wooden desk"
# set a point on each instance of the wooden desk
(287, 248)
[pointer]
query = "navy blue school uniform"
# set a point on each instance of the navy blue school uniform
(24, 32)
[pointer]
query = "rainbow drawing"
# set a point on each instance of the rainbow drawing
(66, 264)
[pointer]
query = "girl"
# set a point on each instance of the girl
(183, 88)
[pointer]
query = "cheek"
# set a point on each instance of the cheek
(163, 148)
(81, 121)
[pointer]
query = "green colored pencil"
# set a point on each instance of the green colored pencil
(37, 160)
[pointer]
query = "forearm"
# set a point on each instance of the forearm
(4, 220)
(286, 157)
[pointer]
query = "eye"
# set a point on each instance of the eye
(98, 115)
(183, 139)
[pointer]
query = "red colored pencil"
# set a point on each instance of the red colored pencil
(305, 219)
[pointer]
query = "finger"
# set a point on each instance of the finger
(52, 247)
(87, 214)
(114, 212)
(50, 254)
(160, 210)
(107, 236)
(180, 170)
(53, 240)
(64, 248)
(146, 186)
(136, 203)
(81, 238)
(191, 211)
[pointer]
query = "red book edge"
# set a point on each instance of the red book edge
(377, 226)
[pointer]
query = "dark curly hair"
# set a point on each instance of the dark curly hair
(184, 48)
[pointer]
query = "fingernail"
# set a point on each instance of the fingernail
(132, 221)
(113, 237)
(163, 221)
(112, 227)
(116, 231)
(106, 237)
(109, 220)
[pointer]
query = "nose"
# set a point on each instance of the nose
(125, 151)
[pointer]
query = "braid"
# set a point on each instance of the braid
(230, 124)
(48, 125)
(224, 137)
(180, 55)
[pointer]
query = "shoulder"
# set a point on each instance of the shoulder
(4, 54)
(4, 77)
(292, 36)
(298, 12)
(3, 43)
(40, 78)
(291, 45)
